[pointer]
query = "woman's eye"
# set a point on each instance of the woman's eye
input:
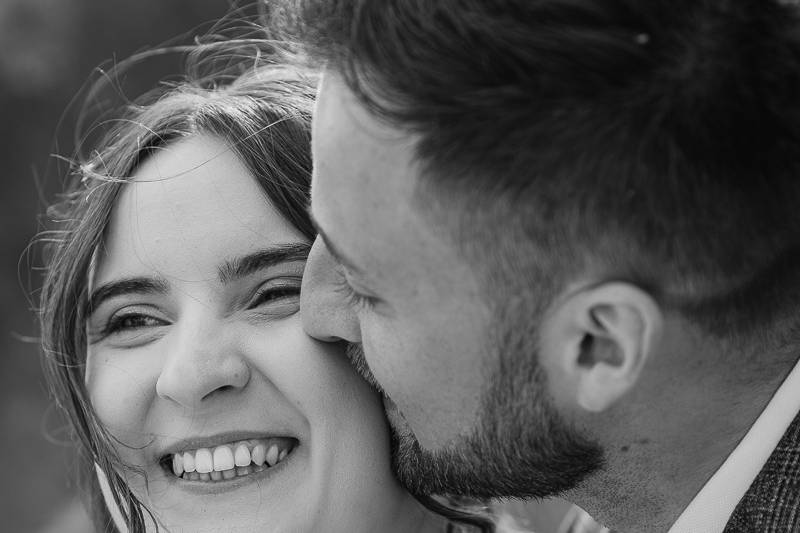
(275, 295)
(131, 321)
(128, 325)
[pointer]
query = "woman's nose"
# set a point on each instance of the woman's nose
(203, 362)
(325, 312)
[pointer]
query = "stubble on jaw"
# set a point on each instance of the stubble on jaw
(355, 353)
(520, 448)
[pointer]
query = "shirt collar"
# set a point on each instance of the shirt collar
(711, 508)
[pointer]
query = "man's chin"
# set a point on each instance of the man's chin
(436, 472)
(489, 464)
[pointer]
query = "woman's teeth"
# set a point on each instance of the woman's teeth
(231, 460)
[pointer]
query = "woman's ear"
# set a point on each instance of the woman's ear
(596, 340)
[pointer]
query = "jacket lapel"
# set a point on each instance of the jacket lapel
(772, 503)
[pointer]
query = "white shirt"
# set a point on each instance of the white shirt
(712, 507)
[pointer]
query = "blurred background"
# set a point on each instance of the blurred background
(48, 49)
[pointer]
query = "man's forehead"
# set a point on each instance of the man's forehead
(333, 86)
(337, 103)
(363, 181)
(353, 150)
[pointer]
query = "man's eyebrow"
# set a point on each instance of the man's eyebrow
(240, 267)
(333, 250)
(137, 285)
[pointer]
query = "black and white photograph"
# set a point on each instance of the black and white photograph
(425, 266)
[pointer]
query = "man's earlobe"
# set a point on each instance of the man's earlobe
(602, 336)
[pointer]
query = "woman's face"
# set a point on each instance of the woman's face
(198, 365)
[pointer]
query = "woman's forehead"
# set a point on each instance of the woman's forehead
(187, 207)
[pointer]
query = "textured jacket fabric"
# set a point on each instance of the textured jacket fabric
(772, 503)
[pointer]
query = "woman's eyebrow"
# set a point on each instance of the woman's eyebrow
(240, 267)
(126, 286)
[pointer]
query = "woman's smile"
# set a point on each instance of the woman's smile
(229, 461)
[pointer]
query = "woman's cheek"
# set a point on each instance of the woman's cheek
(121, 388)
(316, 376)
(344, 401)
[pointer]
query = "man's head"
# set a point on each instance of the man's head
(518, 201)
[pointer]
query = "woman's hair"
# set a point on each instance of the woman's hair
(257, 104)
(255, 99)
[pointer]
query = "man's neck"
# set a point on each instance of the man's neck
(653, 473)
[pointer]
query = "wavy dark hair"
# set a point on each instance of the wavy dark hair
(257, 99)
(256, 103)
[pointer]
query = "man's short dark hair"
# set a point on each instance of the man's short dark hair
(654, 141)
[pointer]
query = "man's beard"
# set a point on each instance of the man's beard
(521, 447)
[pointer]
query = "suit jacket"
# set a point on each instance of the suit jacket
(772, 503)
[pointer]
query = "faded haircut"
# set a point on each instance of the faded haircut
(652, 142)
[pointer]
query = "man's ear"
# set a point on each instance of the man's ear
(597, 340)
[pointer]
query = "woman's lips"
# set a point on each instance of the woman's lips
(230, 460)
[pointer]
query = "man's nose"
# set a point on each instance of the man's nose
(323, 306)
(202, 362)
